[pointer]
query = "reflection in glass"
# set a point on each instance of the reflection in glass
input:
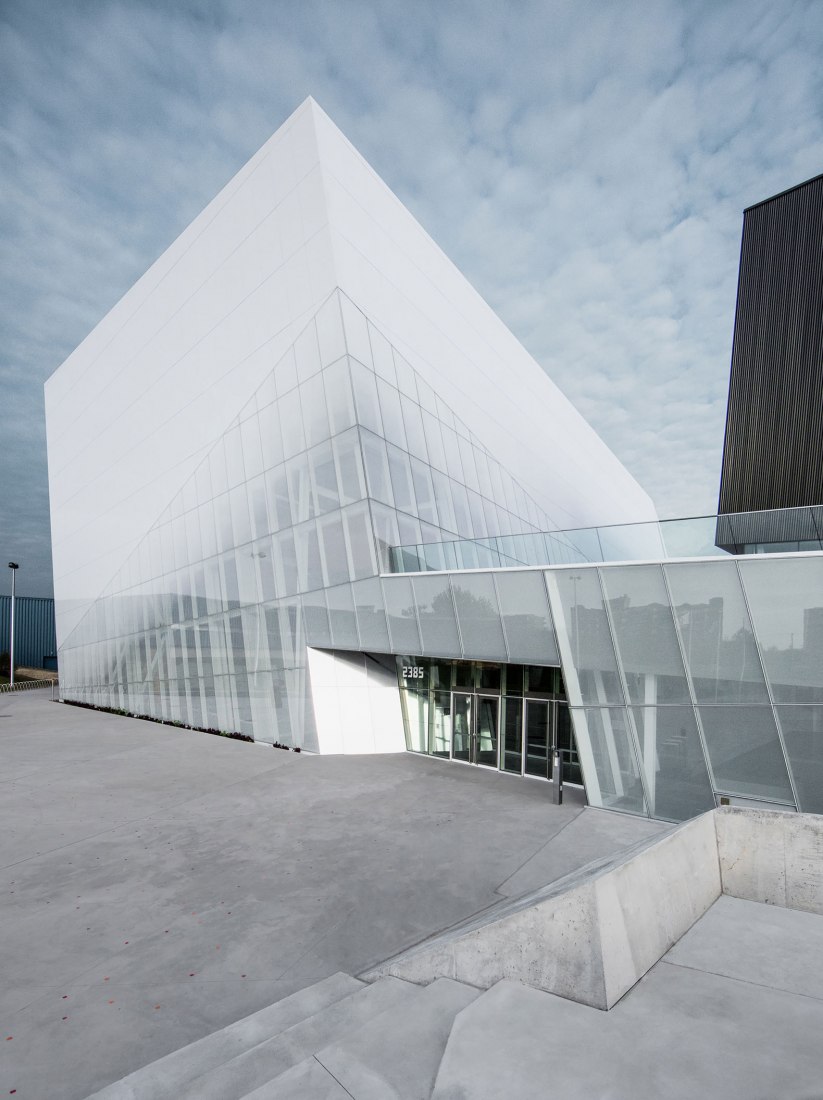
(512, 735)
(718, 643)
(402, 621)
(583, 636)
(786, 602)
(477, 612)
(607, 755)
(485, 747)
(538, 741)
(644, 634)
(745, 753)
(461, 726)
(438, 627)
(674, 768)
(526, 617)
(802, 728)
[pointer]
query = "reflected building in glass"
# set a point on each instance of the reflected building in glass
(308, 489)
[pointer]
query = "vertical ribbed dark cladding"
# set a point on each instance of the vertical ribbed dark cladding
(773, 450)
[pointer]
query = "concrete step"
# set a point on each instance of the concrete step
(393, 1057)
(247, 1072)
(168, 1075)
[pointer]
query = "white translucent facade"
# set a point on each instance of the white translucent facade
(262, 417)
(304, 384)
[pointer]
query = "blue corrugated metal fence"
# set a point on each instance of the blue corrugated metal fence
(34, 635)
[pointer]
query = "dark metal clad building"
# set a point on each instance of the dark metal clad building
(773, 451)
(35, 644)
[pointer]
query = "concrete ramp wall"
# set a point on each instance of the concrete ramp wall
(771, 856)
(590, 942)
(591, 936)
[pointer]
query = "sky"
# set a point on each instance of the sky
(585, 163)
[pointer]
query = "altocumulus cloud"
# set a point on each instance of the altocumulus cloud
(584, 163)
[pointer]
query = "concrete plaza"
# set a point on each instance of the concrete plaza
(161, 883)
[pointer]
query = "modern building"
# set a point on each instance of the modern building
(307, 487)
(773, 450)
(35, 645)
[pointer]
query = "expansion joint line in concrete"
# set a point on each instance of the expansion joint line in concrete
(535, 853)
(340, 1083)
(742, 981)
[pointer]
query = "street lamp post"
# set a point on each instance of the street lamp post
(13, 567)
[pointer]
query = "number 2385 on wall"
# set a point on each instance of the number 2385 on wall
(413, 672)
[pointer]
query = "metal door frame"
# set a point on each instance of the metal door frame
(474, 709)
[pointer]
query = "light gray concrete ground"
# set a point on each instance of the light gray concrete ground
(160, 883)
(731, 1012)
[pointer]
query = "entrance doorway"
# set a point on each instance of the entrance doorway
(475, 728)
(511, 717)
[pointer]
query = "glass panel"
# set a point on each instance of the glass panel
(377, 468)
(745, 752)
(583, 636)
(488, 678)
(424, 491)
(341, 618)
(441, 724)
(399, 604)
(461, 726)
(717, 635)
(371, 618)
(401, 480)
(359, 542)
(674, 768)
(382, 356)
(537, 739)
(365, 396)
(291, 424)
(333, 549)
(526, 617)
(392, 415)
(330, 330)
(357, 333)
(631, 542)
(435, 609)
(324, 478)
(564, 738)
(485, 749)
(316, 618)
(802, 728)
(339, 397)
(413, 419)
(350, 477)
(416, 714)
(786, 602)
(514, 680)
(307, 353)
(607, 753)
(513, 735)
(313, 406)
(644, 634)
(479, 616)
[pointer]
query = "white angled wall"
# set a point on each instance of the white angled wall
(399, 277)
(132, 411)
(356, 703)
(134, 408)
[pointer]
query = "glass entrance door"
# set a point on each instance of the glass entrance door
(538, 738)
(462, 726)
(474, 728)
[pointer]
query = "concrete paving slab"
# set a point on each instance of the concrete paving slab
(769, 946)
(267, 1060)
(398, 1055)
(680, 1033)
(308, 1080)
(589, 836)
(167, 1076)
(144, 853)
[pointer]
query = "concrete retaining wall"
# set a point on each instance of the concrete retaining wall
(590, 942)
(771, 857)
